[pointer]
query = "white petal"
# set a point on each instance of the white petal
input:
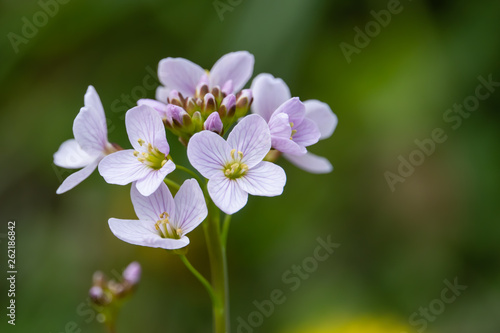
(190, 206)
(160, 107)
(162, 94)
(77, 177)
(236, 67)
(311, 163)
(90, 131)
(154, 178)
(323, 116)
(307, 133)
(122, 168)
(180, 74)
(144, 123)
(149, 208)
(251, 136)
(71, 156)
(295, 110)
(226, 194)
(91, 99)
(268, 94)
(265, 179)
(208, 153)
(142, 233)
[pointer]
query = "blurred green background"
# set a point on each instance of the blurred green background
(397, 247)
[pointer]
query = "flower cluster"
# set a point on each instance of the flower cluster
(207, 111)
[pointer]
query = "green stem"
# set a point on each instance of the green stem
(173, 185)
(225, 230)
(200, 277)
(191, 172)
(218, 267)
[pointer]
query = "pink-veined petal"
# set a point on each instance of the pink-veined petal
(295, 110)
(311, 163)
(268, 94)
(149, 208)
(180, 74)
(71, 156)
(77, 177)
(323, 116)
(143, 233)
(154, 178)
(208, 153)
(251, 136)
(122, 168)
(144, 123)
(190, 206)
(236, 67)
(226, 194)
(90, 131)
(265, 179)
(307, 133)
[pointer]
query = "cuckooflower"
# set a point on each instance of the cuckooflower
(90, 144)
(269, 93)
(163, 221)
(235, 167)
(148, 162)
(230, 73)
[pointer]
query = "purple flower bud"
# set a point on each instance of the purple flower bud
(176, 113)
(174, 97)
(227, 106)
(245, 99)
(132, 273)
(209, 104)
(96, 294)
(214, 123)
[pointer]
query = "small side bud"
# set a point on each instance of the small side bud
(227, 106)
(176, 113)
(132, 274)
(96, 295)
(243, 102)
(197, 121)
(191, 105)
(214, 123)
(201, 90)
(217, 93)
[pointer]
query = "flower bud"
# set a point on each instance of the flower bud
(98, 279)
(227, 106)
(214, 123)
(217, 93)
(197, 121)
(175, 97)
(201, 89)
(191, 105)
(132, 274)
(97, 295)
(209, 104)
(243, 102)
(176, 113)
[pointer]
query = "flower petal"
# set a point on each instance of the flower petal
(295, 110)
(160, 107)
(162, 94)
(311, 163)
(77, 177)
(307, 133)
(226, 194)
(180, 74)
(251, 136)
(71, 156)
(154, 178)
(279, 126)
(144, 123)
(288, 146)
(142, 233)
(92, 100)
(268, 94)
(149, 208)
(122, 168)
(323, 116)
(208, 153)
(265, 179)
(236, 67)
(90, 131)
(190, 206)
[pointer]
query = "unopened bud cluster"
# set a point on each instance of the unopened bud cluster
(106, 292)
(212, 110)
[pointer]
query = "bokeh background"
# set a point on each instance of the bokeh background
(397, 247)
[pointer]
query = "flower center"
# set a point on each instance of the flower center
(165, 228)
(293, 131)
(235, 168)
(152, 157)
